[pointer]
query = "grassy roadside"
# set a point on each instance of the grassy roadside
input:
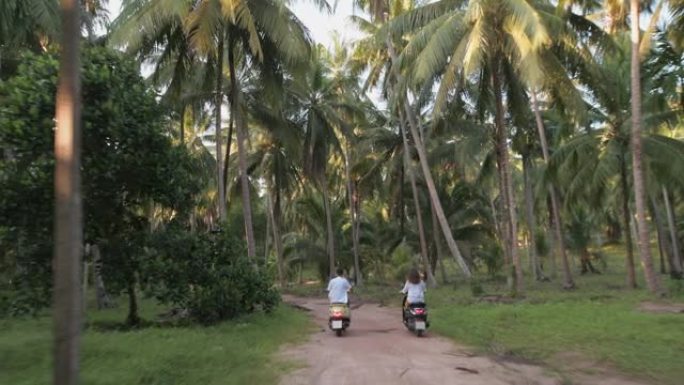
(237, 352)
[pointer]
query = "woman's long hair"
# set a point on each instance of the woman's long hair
(414, 276)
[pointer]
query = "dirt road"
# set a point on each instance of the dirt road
(378, 350)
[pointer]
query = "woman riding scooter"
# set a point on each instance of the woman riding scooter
(414, 314)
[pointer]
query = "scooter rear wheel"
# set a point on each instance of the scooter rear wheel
(338, 332)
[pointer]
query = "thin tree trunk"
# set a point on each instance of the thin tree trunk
(438, 245)
(241, 123)
(275, 215)
(329, 226)
(103, 299)
(353, 216)
(68, 248)
(133, 319)
(218, 103)
(510, 203)
(357, 209)
(652, 279)
(229, 142)
(278, 239)
(663, 245)
(402, 213)
(629, 261)
(531, 220)
(569, 282)
(419, 215)
(427, 174)
(675, 259)
(182, 124)
(269, 226)
(84, 292)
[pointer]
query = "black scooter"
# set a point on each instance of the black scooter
(415, 317)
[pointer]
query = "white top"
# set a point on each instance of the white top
(337, 290)
(415, 293)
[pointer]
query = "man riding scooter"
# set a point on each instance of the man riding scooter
(340, 314)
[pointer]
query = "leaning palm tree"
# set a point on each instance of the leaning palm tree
(494, 39)
(380, 9)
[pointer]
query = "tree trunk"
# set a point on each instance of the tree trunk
(629, 261)
(569, 282)
(585, 261)
(133, 319)
(218, 103)
(351, 192)
(663, 245)
(182, 124)
(438, 245)
(531, 219)
(275, 216)
(241, 123)
(229, 142)
(675, 257)
(103, 299)
(357, 234)
(269, 220)
(419, 216)
(329, 226)
(402, 214)
(68, 226)
(427, 174)
(652, 279)
(509, 201)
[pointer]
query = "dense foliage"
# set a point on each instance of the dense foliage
(129, 164)
(206, 274)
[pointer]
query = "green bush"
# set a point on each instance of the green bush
(207, 274)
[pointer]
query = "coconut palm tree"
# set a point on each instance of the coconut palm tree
(68, 207)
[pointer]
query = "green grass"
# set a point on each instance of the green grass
(235, 352)
(599, 321)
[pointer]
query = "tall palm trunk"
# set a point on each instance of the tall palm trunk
(509, 199)
(329, 226)
(218, 103)
(438, 246)
(419, 216)
(68, 249)
(274, 213)
(629, 246)
(675, 257)
(351, 192)
(425, 167)
(182, 123)
(568, 283)
(531, 219)
(241, 125)
(652, 279)
(229, 142)
(663, 235)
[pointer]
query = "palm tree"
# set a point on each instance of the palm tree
(652, 278)
(263, 32)
(495, 39)
(68, 207)
(378, 9)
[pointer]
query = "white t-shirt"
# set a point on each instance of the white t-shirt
(415, 293)
(337, 290)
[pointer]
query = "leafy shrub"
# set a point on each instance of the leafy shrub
(208, 274)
